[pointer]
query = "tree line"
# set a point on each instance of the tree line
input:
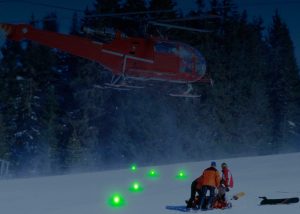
(54, 118)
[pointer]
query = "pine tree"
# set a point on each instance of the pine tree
(104, 14)
(201, 6)
(75, 28)
(107, 6)
(283, 79)
(19, 112)
(32, 20)
(157, 5)
(74, 157)
(134, 24)
(168, 11)
(162, 5)
(214, 7)
(236, 60)
(4, 143)
(88, 115)
(31, 72)
(50, 22)
(229, 9)
(134, 6)
(88, 20)
(48, 157)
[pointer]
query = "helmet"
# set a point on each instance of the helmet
(223, 165)
(213, 163)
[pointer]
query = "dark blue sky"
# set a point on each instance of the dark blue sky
(15, 11)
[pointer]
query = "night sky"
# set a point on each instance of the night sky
(16, 11)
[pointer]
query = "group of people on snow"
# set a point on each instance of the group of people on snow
(217, 185)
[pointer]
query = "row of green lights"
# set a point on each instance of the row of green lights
(152, 173)
(117, 200)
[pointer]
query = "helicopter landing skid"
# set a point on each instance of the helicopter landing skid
(186, 95)
(121, 86)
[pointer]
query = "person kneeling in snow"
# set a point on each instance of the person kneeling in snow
(195, 188)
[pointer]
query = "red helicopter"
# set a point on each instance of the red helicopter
(126, 57)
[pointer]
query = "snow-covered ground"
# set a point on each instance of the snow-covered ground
(272, 176)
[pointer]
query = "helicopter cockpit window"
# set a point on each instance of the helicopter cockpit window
(200, 63)
(191, 59)
(186, 55)
(165, 47)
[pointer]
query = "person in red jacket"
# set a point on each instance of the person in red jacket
(226, 176)
(226, 182)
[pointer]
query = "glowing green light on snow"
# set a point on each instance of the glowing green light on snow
(181, 175)
(136, 187)
(153, 174)
(133, 167)
(116, 200)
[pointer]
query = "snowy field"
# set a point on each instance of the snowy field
(271, 176)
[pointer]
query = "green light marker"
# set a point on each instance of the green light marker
(153, 174)
(181, 175)
(133, 167)
(116, 200)
(135, 187)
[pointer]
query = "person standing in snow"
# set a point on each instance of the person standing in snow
(211, 180)
(226, 181)
(220, 201)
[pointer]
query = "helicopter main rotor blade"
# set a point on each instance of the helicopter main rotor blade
(179, 27)
(201, 17)
(32, 2)
(128, 13)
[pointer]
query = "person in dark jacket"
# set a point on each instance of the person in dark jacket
(195, 188)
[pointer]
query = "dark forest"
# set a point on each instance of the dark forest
(55, 118)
